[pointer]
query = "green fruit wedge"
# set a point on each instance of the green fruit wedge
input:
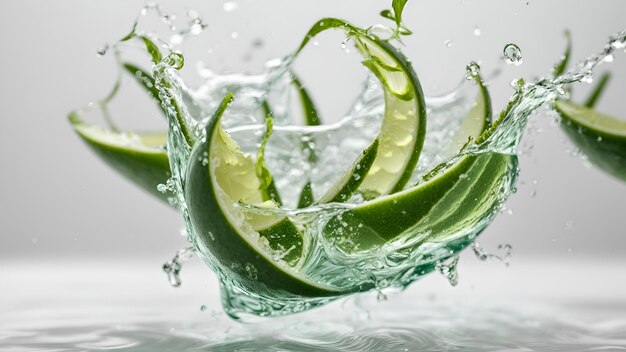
(238, 239)
(246, 245)
(138, 156)
(601, 137)
(404, 124)
(453, 197)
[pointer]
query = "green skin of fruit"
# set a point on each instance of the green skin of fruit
(219, 237)
(607, 151)
(146, 170)
(439, 208)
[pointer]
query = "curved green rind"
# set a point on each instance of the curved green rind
(414, 92)
(311, 117)
(145, 168)
(286, 238)
(224, 241)
(561, 66)
(418, 97)
(605, 149)
(355, 176)
(597, 91)
(438, 208)
(146, 81)
(306, 196)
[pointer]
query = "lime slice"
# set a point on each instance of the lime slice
(247, 245)
(601, 137)
(451, 198)
(404, 125)
(140, 157)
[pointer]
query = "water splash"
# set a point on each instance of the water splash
(448, 269)
(174, 266)
(483, 255)
(396, 264)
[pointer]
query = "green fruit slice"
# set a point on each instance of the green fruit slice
(247, 245)
(404, 124)
(138, 156)
(451, 198)
(601, 137)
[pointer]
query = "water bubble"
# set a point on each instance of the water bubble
(203, 308)
(569, 224)
(234, 35)
(230, 6)
(477, 31)
(448, 43)
(512, 54)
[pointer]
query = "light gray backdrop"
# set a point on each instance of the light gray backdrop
(60, 201)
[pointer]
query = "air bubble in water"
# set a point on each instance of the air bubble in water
(477, 31)
(230, 6)
(234, 35)
(512, 54)
(448, 43)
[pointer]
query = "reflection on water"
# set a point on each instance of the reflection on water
(88, 310)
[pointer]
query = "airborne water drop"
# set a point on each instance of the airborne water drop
(512, 54)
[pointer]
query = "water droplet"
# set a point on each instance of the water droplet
(448, 43)
(258, 43)
(473, 69)
(173, 267)
(381, 297)
(102, 50)
(344, 45)
(569, 224)
(230, 6)
(482, 254)
(448, 269)
(203, 308)
(512, 54)
(618, 43)
(477, 31)
(234, 35)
